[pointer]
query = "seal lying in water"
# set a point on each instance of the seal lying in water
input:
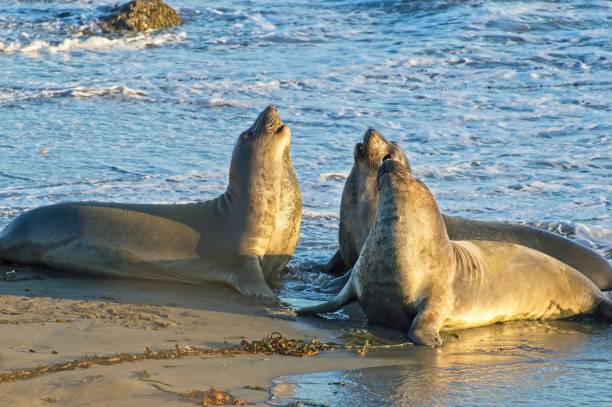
(244, 237)
(411, 276)
(358, 209)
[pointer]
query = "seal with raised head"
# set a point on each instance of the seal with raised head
(411, 276)
(358, 206)
(244, 237)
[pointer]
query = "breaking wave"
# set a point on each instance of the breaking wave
(10, 95)
(95, 43)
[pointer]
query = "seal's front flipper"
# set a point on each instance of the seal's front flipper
(335, 265)
(248, 278)
(425, 328)
(346, 296)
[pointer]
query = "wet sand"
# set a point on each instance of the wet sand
(46, 318)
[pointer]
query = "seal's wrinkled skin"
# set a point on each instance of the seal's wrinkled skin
(411, 276)
(358, 206)
(243, 237)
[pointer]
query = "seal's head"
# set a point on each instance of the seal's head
(255, 179)
(394, 182)
(360, 196)
(395, 170)
(408, 202)
(374, 149)
(260, 149)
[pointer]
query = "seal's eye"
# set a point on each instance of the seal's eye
(387, 157)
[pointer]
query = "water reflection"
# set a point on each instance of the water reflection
(551, 363)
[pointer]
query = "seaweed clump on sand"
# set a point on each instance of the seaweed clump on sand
(140, 15)
(277, 344)
(273, 344)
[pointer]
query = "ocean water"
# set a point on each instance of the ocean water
(503, 107)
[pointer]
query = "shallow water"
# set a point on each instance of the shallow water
(552, 363)
(503, 107)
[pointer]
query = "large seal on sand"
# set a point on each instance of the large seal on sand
(244, 237)
(411, 276)
(358, 208)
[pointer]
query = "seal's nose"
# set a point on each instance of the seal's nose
(268, 121)
(372, 135)
(271, 113)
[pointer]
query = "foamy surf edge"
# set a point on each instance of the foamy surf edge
(95, 43)
(13, 95)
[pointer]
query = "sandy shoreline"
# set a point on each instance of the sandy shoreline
(46, 318)
(51, 319)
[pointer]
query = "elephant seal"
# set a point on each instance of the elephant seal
(358, 207)
(243, 238)
(411, 276)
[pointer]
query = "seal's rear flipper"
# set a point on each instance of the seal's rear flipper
(346, 296)
(335, 286)
(605, 309)
(335, 265)
(248, 279)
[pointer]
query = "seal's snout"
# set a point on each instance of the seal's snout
(267, 122)
(373, 139)
(392, 168)
(374, 145)
(272, 110)
(373, 135)
(270, 114)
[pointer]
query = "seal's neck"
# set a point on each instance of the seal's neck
(414, 221)
(251, 201)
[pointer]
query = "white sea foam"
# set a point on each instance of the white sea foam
(95, 43)
(419, 62)
(310, 214)
(262, 22)
(230, 85)
(14, 95)
(80, 91)
(220, 101)
(549, 186)
(597, 234)
(212, 175)
(333, 176)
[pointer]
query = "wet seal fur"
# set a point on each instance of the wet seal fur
(411, 276)
(243, 238)
(358, 208)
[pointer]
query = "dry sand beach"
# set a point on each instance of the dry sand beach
(47, 319)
